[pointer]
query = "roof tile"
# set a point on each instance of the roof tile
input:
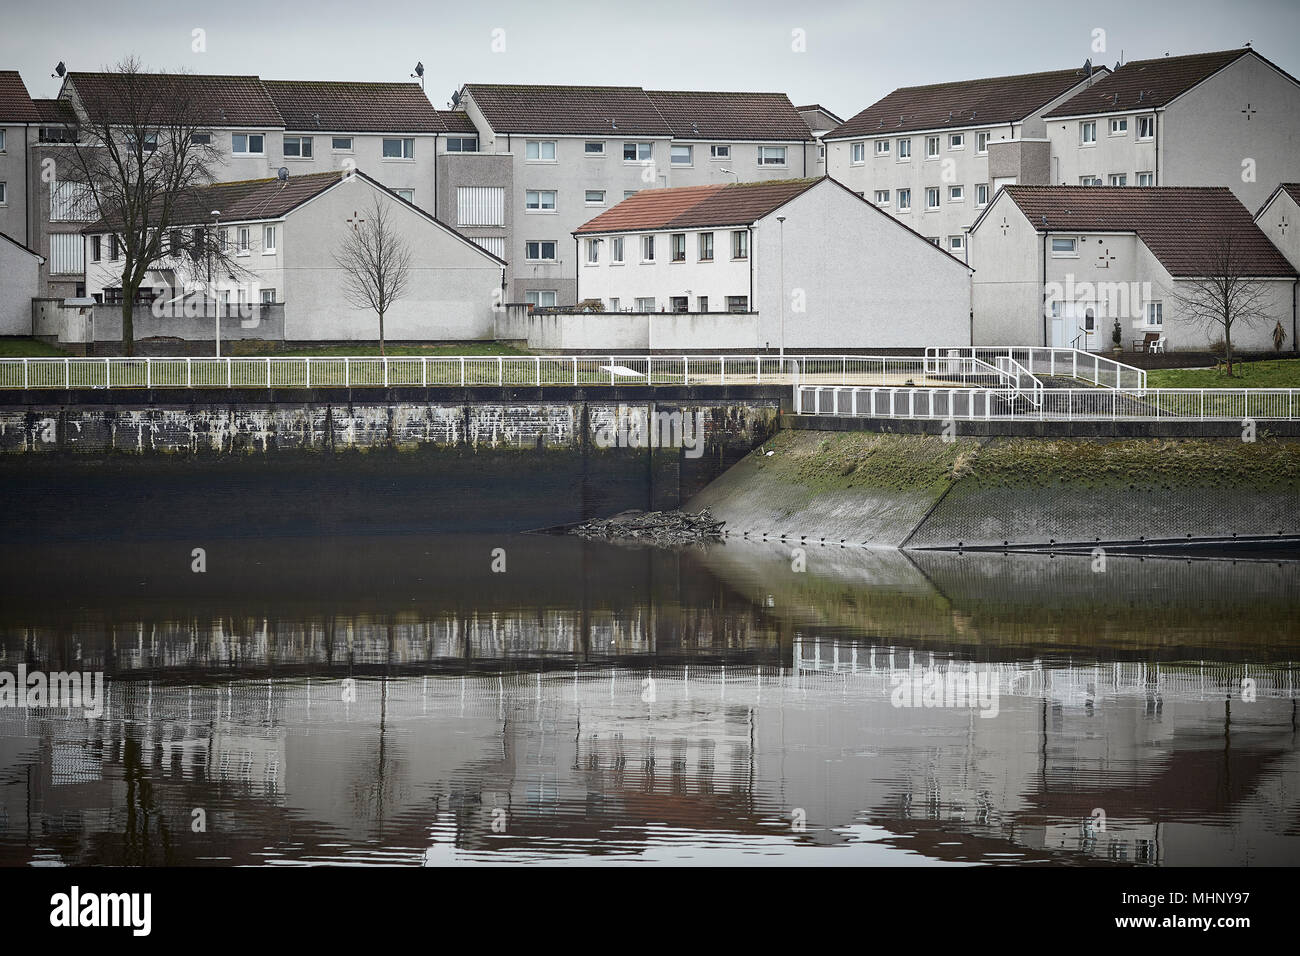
(1146, 84)
(15, 104)
(329, 107)
(734, 116)
(213, 100)
(692, 207)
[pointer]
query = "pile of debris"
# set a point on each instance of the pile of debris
(662, 528)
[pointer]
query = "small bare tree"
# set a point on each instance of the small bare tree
(1226, 296)
(143, 150)
(376, 263)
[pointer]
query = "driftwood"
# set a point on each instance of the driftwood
(662, 528)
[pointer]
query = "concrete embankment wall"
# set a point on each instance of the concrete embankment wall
(918, 491)
(370, 464)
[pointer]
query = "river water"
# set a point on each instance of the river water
(485, 699)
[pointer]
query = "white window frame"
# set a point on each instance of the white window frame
(1149, 176)
(538, 146)
(904, 200)
(1118, 126)
(958, 245)
(541, 206)
(720, 152)
(676, 241)
(957, 193)
(269, 247)
(882, 147)
(882, 197)
(984, 187)
(1070, 252)
(982, 142)
(638, 147)
(405, 157)
(857, 153)
(1089, 180)
(739, 244)
(935, 142)
(537, 298)
(616, 251)
(956, 141)
(336, 148)
(644, 303)
(1150, 123)
(2, 141)
(932, 191)
(1122, 177)
(588, 201)
(4, 193)
(593, 252)
(300, 141)
(1088, 133)
(763, 154)
(1154, 309)
(248, 143)
(407, 193)
(699, 247)
(904, 150)
(541, 245)
(243, 240)
(648, 248)
(690, 155)
(594, 153)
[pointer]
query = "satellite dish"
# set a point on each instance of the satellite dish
(60, 69)
(455, 98)
(419, 69)
(282, 174)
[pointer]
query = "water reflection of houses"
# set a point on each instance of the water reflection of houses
(600, 760)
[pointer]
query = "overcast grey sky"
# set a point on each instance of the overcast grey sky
(855, 51)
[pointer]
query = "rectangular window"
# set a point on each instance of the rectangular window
(719, 152)
(4, 194)
(268, 297)
(114, 248)
(268, 240)
(706, 247)
(737, 303)
(1146, 127)
(594, 197)
(771, 155)
(544, 299)
(298, 147)
(740, 244)
(243, 238)
(539, 250)
(637, 152)
(932, 197)
(399, 149)
(956, 193)
(175, 241)
(981, 194)
(481, 205)
(540, 200)
(540, 150)
(462, 144)
(702, 303)
(882, 197)
(1119, 126)
(1146, 179)
(593, 147)
(1065, 248)
(647, 248)
(679, 303)
(904, 149)
(616, 249)
(956, 140)
(882, 147)
(96, 248)
(681, 156)
(247, 144)
(858, 152)
(614, 304)
(982, 142)
(341, 144)
(905, 200)
(407, 194)
(196, 139)
(677, 246)
(593, 251)
(1088, 132)
(932, 240)
(2, 141)
(645, 304)
(1089, 180)
(1118, 179)
(955, 243)
(1155, 314)
(931, 147)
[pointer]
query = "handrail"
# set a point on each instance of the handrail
(1069, 362)
(1057, 404)
(1020, 373)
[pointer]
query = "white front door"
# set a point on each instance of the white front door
(1076, 325)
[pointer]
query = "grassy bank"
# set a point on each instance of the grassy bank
(28, 348)
(1273, 373)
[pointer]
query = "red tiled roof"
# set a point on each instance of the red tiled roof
(734, 116)
(568, 110)
(1181, 225)
(993, 100)
(15, 104)
(327, 107)
(457, 121)
(1146, 84)
(215, 100)
(690, 207)
(56, 111)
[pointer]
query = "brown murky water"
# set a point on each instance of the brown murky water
(395, 700)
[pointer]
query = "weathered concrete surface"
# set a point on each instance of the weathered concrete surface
(921, 492)
(1137, 428)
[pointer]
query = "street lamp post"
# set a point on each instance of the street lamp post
(216, 306)
(781, 223)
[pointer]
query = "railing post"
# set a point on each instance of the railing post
(384, 359)
(537, 365)
(268, 372)
(722, 368)
(148, 372)
(501, 370)
(575, 370)
(686, 370)
(844, 369)
(347, 371)
(462, 371)
(189, 372)
(229, 374)
(758, 366)
(611, 370)
(67, 373)
(424, 370)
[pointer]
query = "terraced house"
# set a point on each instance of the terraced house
(575, 151)
(933, 156)
(1227, 118)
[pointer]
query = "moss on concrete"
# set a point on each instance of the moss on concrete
(841, 460)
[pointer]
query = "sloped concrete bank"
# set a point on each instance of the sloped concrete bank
(918, 491)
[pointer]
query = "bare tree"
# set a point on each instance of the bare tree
(376, 263)
(144, 148)
(1226, 296)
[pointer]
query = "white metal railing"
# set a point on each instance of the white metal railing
(1068, 363)
(1057, 404)
(1028, 384)
(536, 370)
